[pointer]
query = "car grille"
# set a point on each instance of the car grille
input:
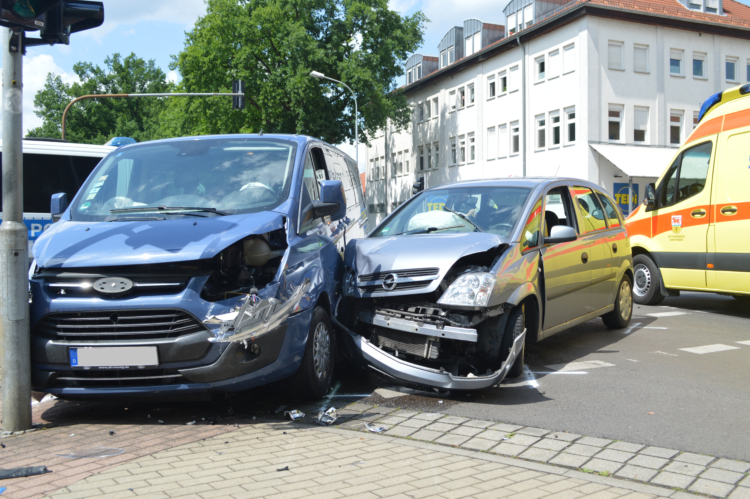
(113, 379)
(119, 325)
(377, 276)
(401, 286)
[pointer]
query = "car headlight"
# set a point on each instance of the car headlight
(472, 290)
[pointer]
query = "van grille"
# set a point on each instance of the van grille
(113, 379)
(119, 325)
(401, 286)
(377, 276)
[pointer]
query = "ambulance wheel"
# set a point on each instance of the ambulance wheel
(647, 281)
(619, 318)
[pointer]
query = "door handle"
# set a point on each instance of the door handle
(729, 210)
(614, 247)
(699, 213)
(585, 257)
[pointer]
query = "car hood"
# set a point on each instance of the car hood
(104, 244)
(379, 255)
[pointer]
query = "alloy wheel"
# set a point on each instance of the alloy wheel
(626, 300)
(642, 280)
(321, 350)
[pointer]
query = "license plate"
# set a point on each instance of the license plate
(113, 357)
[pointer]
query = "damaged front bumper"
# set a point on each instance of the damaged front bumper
(393, 367)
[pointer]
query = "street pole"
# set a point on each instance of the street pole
(14, 260)
(316, 74)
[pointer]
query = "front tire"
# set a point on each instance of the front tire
(620, 317)
(313, 378)
(513, 328)
(647, 285)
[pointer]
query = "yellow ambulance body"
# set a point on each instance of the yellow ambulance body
(692, 231)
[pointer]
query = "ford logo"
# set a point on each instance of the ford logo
(113, 286)
(390, 282)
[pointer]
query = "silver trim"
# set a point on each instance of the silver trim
(399, 280)
(448, 332)
(84, 285)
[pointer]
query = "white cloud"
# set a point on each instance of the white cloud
(173, 76)
(131, 31)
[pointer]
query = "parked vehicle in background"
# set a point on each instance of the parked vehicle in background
(51, 166)
(445, 292)
(196, 264)
(692, 231)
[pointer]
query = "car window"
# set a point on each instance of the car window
(610, 210)
(530, 234)
(591, 210)
(687, 175)
(558, 209)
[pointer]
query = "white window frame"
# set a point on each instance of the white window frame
(418, 72)
(406, 161)
(461, 98)
(372, 170)
(503, 75)
(451, 54)
(435, 108)
(514, 79)
(443, 59)
(637, 112)
(678, 55)
(394, 162)
(421, 159)
(428, 153)
(502, 141)
(471, 97)
(452, 99)
(491, 87)
(472, 148)
(620, 118)
(555, 125)
(383, 168)
(540, 137)
(615, 64)
(401, 161)
(699, 56)
(568, 121)
(436, 152)
(515, 136)
(468, 45)
(491, 153)
(462, 149)
(645, 48)
(570, 58)
(453, 159)
(736, 62)
(540, 69)
(674, 113)
(554, 65)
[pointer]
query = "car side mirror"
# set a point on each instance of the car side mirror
(650, 199)
(332, 193)
(561, 234)
(58, 205)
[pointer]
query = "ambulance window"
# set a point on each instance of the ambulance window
(687, 176)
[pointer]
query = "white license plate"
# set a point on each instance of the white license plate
(113, 357)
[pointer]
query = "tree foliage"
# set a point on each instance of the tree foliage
(97, 120)
(273, 45)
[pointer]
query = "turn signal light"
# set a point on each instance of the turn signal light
(710, 265)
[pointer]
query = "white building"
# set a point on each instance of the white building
(604, 90)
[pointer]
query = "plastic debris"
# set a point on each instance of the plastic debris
(2, 445)
(191, 422)
(22, 472)
(161, 422)
(111, 433)
(285, 468)
(295, 414)
(2, 489)
(440, 401)
(375, 429)
(281, 408)
(72, 434)
(327, 417)
(93, 452)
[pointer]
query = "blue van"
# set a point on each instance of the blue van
(195, 264)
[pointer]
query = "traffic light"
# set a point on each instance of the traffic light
(418, 186)
(69, 16)
(25, 14)
(238, 101)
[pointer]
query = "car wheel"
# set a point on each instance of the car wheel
(313, 378)
(513, 328)
(646, 288)
(742, 298)
(619, 318)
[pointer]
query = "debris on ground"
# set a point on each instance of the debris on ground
(111, 433)
(191, 422)
(23, 472)
(327, 417)
(161, 422)
(375, 429)
(295, 414)
(93, 452)
(285, 468)
(2, 445)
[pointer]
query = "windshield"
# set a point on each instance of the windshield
(458, 209)
(200, 177)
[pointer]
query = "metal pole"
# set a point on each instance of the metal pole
(630, 196)
(356, 112)
(14, 261)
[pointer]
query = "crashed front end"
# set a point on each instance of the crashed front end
(425, 310)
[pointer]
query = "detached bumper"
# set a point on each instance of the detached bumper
(406, 372)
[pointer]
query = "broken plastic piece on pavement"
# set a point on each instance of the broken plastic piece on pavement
(111, 433)
(23, 472)
(285, 468)
(93, 452)
(191, 422)
(161, 422)
(327, 417)
(375, 429)
(281, 408)
(72, 434)
(295, 414)
(2, 489)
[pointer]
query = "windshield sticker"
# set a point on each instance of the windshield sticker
(676, 223)
(94, 190)
(98, 184)
(92, 196)
(103, 178)
(84, 207)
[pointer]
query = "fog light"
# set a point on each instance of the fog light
(255, 348)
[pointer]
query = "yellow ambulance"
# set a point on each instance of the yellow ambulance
(692, 231)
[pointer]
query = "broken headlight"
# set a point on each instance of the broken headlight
(349, 282)
(471, 290)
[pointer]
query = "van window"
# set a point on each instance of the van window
(591, 210)
(687, 175)
(309, 194)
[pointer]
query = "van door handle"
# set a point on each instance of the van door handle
(729, 210)
(585, 257)
(614, 247)
(699, 213)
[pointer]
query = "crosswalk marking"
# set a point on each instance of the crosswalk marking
(709, 349)
(744, 342)
(667, 314)
(579, 366)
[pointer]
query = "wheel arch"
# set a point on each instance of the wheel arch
(532, 317)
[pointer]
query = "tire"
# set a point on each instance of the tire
(313, 378)
(513, 328)
(742, 298)
(619, 318)
(647, 285)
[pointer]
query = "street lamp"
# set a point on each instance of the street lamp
(320, 76)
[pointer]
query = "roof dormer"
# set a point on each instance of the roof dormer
(478, 34)
(451, 46)
(419, 65)
(707, 6)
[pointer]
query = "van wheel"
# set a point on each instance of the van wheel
(647, 281)
(513, 328)
(619, 318)
(313, 378)
(742, 298)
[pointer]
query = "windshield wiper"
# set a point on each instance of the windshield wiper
(465, 217)
(428, 230)
(134, 209)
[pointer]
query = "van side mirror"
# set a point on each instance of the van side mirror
(650, 199)
(58, 205)
(332, 193)
(561, 234)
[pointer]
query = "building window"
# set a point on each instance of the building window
(491, 87)
(503, 82)
(675, 62)
(435, 108)
(615, 55)
(491, 143)
(452, 100)
(615, 123)
(731, 69)
(453, 151)
(511, 24)
(570, 125)
(421, 159)
(408, 77)
(461, 98)
(394, 163)
(462, 149)
(555, 135)
(443, 59)
(541, 132)
(699, 65)
(640, 58)
(640, 125)
(528, 15)
(696, 5)
(429, 157)
(471, 94)
(420, 111)
(418, 72)
(406, 162)
(515, 79)
(436, 148)
(452, 55)
(569, 58)
(468, 47)
(553, 71)
(541, 69)
(696, 114)
(502, 141)
(373, 175)
(472, 147)
(675, 128)
(383, 168)
(376, 170)
(515, 139)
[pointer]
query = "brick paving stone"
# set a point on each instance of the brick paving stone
(429, 416)
(648, 461)
(403, 413)
(731, 465)
(478, 423)
(563, 435)
(595, 442)
(689, 457)
(745, 482)
(542, 455)
(536, 432)
(493, 435)
(526, 440)
(507, 428)
(636, 473)
(582, 450)
(451, 439)
(625, 447)
(600, 465)
(570, 460)
(359, 407)
(615, 455)
(392, 420)
(415, 423)
(441, 427)
(509, 449)
(684, 468)
(719, 475)
(479, 444)
(740, 493)
(710, 487)
(672, 480)
(454, 420)
(466, 431)
(426, 435)
(551, 444)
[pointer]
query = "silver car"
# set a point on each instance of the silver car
(447, 290)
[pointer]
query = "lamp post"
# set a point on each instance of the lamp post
(318, 75)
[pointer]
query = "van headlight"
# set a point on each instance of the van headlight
(472, 290)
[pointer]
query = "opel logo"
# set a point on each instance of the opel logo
(390, 282)
(113, 286)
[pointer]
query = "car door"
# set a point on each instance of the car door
(731, 216)
(616, 241)
(567, 275)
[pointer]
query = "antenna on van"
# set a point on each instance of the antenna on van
(558, 169)
(261, 133)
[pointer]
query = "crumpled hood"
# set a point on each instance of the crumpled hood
(104, 244)
(385, 254)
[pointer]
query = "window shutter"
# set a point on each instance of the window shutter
(615, 56)
(477, 41)
(640, 63)
(503, 141)
(569, 61)
(511, 22)
(491, 142)
(554, 64)
(641, 119)
(528, 14)
(713, 4)
(467, 50)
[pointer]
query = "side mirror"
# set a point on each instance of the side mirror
(650, 199)
(561, 234)
(331, 193)
(58, 205)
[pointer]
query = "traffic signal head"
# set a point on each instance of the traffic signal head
(418, 186)
(238, 101)
(71, 16)
(25, 14)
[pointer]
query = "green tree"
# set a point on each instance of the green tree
(273, 45)
(97, 120)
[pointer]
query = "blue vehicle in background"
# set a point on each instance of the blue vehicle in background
(195, 264)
